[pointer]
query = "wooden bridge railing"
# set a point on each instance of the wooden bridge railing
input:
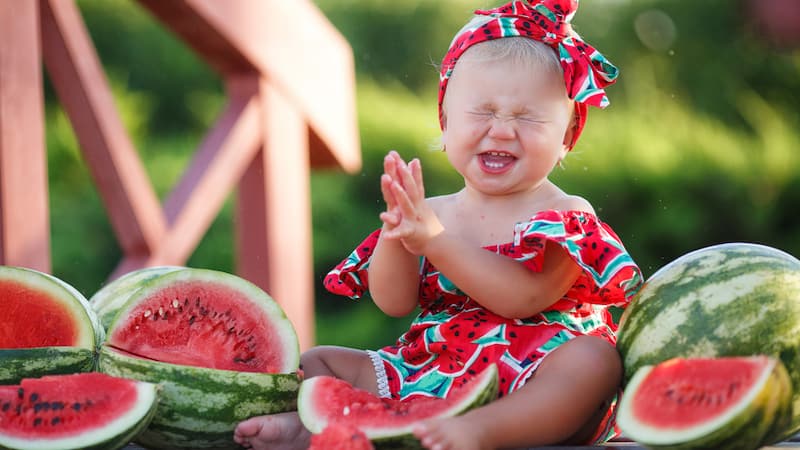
(290, 84)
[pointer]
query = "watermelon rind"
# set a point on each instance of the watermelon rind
(483, 389)
(111, 436)
(744, 426)
(200, 407)
(91, 333)
(733, 299)
(782, 393)
(284, 330)
(19, 363)
(107, 301)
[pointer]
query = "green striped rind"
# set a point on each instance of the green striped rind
(110, 298)
(732, 299)
(112, 436)
(91, 334)
(782, 394)
(747, 429)
(200, 407)
(484, 388)
(16, 364)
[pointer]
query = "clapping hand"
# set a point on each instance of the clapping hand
(408, 217)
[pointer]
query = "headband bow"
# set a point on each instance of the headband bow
(586, 71)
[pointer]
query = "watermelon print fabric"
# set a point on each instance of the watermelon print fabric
(454, 337)
(586, 71)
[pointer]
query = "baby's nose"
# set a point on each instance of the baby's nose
(502, 127)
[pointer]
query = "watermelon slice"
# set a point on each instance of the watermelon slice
(47, 326)
(733, 402)
(340, 437)
(87, 410)
(327, 401)
(222, 348)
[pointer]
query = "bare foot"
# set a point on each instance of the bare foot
(282, 431)
(453, 433)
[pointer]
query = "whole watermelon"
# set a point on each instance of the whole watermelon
(734, 299)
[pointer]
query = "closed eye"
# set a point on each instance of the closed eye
(529, 119)
(481, 113)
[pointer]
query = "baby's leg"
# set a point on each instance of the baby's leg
(563, 403)
(285, 431)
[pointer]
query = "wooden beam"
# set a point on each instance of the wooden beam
(273, 214)
(213, 173)
(84, 92)
(24, 213)
(295, 46)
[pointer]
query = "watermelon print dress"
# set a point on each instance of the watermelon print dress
(454, 338)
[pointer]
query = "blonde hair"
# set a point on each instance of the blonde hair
(518, 50)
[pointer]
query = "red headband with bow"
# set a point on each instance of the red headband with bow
(586, 71)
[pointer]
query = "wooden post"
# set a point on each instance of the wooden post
(24, 213)
(273, 214)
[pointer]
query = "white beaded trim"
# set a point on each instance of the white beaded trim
(380, 374)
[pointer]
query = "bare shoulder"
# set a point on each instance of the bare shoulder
(575, 203)
(440, 203)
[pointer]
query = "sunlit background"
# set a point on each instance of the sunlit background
(699, 146)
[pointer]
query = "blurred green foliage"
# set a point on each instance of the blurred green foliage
(700, 144)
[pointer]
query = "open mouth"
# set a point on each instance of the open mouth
(495, 161)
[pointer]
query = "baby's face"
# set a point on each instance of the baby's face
(505, 122)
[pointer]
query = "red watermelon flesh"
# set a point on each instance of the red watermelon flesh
(340, 437)
(201, 323)
(28, 311)
(64, 405)
(683, 395)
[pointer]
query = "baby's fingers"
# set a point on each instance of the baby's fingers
(405, 204)
(390, 218)
(386, 190)
(411, 177)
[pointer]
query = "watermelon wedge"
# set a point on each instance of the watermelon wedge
(327, 401)
(222, 348)
(47, 326)
(79, 411)
(340, 437)
(707, 403)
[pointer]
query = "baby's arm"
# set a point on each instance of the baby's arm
(393, 271)
(501, 284)
(497, 282)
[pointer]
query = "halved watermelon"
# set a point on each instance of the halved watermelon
(86, 411)
(327, 401)
(47, 326)
(707, 403)
(221, 346)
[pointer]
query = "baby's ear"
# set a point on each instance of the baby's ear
(571, 134)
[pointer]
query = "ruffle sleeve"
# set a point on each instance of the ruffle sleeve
(610, 276)
(349, 277)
